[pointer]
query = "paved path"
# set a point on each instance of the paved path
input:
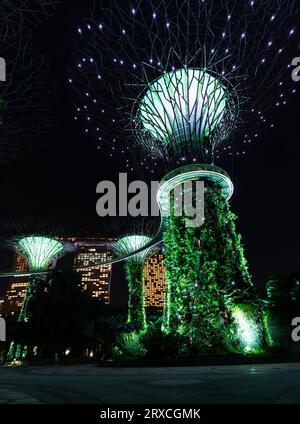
(270, 383)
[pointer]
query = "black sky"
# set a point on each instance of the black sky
(61, 180)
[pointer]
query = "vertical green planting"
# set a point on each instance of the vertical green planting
(206, 275)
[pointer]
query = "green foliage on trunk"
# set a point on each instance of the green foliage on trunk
(31, 291)
(206, 275)
(136, 307)
(223, 260)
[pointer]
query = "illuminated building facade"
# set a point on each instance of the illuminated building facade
(17, 288)
(96, 281)
(154, 281)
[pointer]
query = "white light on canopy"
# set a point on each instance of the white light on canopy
(39, 251)
(129, 244)
(186, 104)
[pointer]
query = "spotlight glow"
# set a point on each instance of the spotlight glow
(248, 329)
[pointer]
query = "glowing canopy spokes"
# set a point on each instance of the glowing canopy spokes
(182, 106)
(129, 244)
(39, 251)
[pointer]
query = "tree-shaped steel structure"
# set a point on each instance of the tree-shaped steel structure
(39, 251)
(28, 116)
(125, 53)
(180, 82)
(134, 267)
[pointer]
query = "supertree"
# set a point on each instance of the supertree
(155, 71)
(39, 252)
(40, 241)
(134, 268)
(180, 82)
(27, 94)
(133, 235)
(25, 13)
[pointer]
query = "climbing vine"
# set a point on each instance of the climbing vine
(135, 278)
(206, 274)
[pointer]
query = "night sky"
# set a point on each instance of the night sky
(61, 180)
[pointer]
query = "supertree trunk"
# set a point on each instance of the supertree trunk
(19, 350)
(206, 273)
(223, 259)
(136, 305)
(182, 263)
(29, 295)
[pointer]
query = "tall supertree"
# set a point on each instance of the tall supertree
(40, 242)
(179, 83)
(233, 59)
(39, 252)
(134, 268)
(133, 243)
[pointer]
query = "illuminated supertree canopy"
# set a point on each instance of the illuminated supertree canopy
(39, 240)
(128, 244)
(182, 107)
(39, 251)
(183, 81)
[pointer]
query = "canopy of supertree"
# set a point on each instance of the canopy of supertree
(128, 244)
(25, 12)
(39, 251)
(28, 114)
(182, 106)
(182, 81)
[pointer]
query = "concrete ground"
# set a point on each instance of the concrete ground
(251, 384)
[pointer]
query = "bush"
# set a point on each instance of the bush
(129, 344)
(277, 328)
(159, 344)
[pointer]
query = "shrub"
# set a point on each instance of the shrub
(129, 344)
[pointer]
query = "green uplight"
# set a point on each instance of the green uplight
(39, 251)
(248, 329)
(186, 104)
